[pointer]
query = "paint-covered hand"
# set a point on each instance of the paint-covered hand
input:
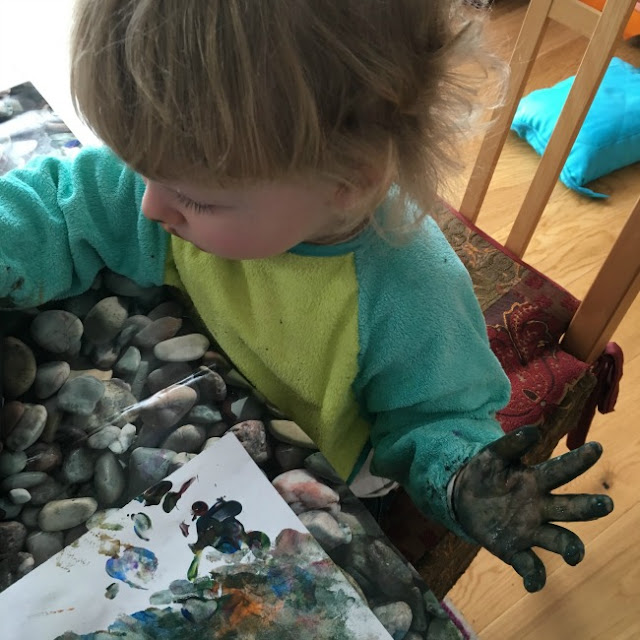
(507, 506)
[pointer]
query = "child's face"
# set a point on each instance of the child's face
(248, 222)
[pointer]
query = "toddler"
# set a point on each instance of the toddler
(276, 160)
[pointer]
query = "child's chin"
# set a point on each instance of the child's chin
(239, 253)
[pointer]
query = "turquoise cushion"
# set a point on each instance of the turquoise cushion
(610, 136)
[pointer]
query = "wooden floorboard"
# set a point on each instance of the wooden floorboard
(600, 598)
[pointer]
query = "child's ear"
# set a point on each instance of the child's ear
(369, 184)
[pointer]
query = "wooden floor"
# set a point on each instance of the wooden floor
(600, 598)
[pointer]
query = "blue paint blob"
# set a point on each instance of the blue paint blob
(136, 565)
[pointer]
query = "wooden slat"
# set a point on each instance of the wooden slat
(521, 62)
(575, 14)
(594, 64)
(610, 296)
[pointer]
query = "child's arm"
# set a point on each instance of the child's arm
(61, 221)
(432, 386)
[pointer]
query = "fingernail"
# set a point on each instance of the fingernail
(532, 583)
(573, 555)
(605, 505)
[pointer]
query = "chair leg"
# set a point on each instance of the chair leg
(594, 64)
(610, 296)
(522, 60)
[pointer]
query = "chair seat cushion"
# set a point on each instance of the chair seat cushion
(610, 136)
(526, 315)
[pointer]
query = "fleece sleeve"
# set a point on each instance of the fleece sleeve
(428, 380)
(61, 221)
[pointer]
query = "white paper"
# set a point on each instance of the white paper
(69, 592)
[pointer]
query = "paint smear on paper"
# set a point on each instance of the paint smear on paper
(135, 567)
(141, 525)
(171, 499)
(112, 591)
(271, 598)
(153, 495)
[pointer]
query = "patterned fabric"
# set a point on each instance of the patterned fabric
(526, 315)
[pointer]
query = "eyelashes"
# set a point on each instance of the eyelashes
(197, 207)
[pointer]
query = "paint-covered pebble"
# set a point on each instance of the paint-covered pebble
(50, 377)
(109, 479)
(57, 331)
(253, 437)
(325, 529)
(18, 367)
(102, 438)
(302, 492)
(81, 395)
(288, 431)
(182, 349)
(28, 429)
(43, 544)
(59, 515)
(105, 320)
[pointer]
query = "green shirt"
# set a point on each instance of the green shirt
(363, 344)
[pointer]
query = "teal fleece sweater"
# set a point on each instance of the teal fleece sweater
(364, 344)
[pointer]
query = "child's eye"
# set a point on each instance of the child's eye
(198, 207)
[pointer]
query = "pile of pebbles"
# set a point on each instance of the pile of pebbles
(108, 392)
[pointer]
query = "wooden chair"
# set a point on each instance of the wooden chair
(527, 335)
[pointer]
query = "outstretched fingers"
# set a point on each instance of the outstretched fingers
(569, 508)
(558, 471)
(560, 541)
(530, 567)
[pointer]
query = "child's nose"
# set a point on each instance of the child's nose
(156, 206)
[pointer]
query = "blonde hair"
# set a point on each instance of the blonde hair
(212, 91)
